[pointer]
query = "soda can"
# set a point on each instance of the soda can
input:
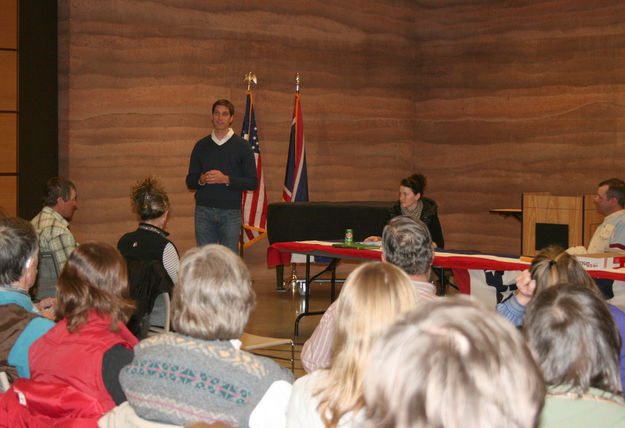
(349, 236)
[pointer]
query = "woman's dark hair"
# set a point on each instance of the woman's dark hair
(149, 198)
(574, 338)
(416, 182)
(94, 277)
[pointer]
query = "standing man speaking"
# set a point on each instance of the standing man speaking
(222, 166)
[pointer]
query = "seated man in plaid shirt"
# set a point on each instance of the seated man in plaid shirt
(52, 222)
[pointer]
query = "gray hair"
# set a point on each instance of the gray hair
(407, 244)
(451, 363)
(213, 298)
(18, 244)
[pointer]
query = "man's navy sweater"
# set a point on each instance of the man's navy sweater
(235, 159)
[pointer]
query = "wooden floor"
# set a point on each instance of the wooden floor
(276, 311)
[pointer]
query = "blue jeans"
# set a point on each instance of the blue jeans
(218, 226)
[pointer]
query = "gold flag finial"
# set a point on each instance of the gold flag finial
(249, 79)
(297, 82)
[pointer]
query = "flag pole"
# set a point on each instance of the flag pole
(293, 283)
(249, 79)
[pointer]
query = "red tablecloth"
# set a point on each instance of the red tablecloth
(280, 253)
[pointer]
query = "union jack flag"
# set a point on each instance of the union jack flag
(296, 177)
(254, 202)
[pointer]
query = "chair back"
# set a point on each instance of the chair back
(160, 318)
(47, 276)
(147, 280)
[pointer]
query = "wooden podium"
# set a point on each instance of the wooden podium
(567, 221)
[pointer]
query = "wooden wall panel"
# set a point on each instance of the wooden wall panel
(8, 24)
(517, 97)
(138, 80)
(8, 195)
(8, 142)
(592, 218)
(488, 99)
(8, 80)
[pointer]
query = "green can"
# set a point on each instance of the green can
(349, 236)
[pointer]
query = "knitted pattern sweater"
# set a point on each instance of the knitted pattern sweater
(177, 379)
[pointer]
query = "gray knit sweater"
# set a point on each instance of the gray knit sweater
(176, 379)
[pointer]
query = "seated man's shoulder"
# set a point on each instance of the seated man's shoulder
(18, 320)
(11, 312)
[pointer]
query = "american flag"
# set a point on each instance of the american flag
(254, 202)
(296, 177)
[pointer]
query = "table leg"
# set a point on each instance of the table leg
(331, 267)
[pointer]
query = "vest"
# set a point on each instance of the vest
(146, 243)
(76, 358)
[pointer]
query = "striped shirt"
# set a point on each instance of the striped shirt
(317, 351)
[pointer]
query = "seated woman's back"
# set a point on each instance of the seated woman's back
(576, 344)
(90, 344)
(373, 297)
(198, 373)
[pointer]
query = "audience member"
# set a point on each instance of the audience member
(152, 259)
(21, 322)
(413, 204)
(149, 241)
(407, 244)
(199, 374)
(551, 266)
(90, 344)
(576, 343)
(450, 363)
(374, 295)
(52, 222)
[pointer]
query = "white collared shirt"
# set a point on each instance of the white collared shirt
(608, 237)
(224, 139)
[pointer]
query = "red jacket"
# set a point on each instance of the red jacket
(30, 404)
(76, 358)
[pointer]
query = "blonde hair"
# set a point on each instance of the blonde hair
(213, 298)
(149, 198)
(374, 295)
(553, 265)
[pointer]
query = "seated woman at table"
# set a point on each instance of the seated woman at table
(413, 204)
(551, 266)
(209, 379)
(576, 344)
(90, 343)
(374, 295)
